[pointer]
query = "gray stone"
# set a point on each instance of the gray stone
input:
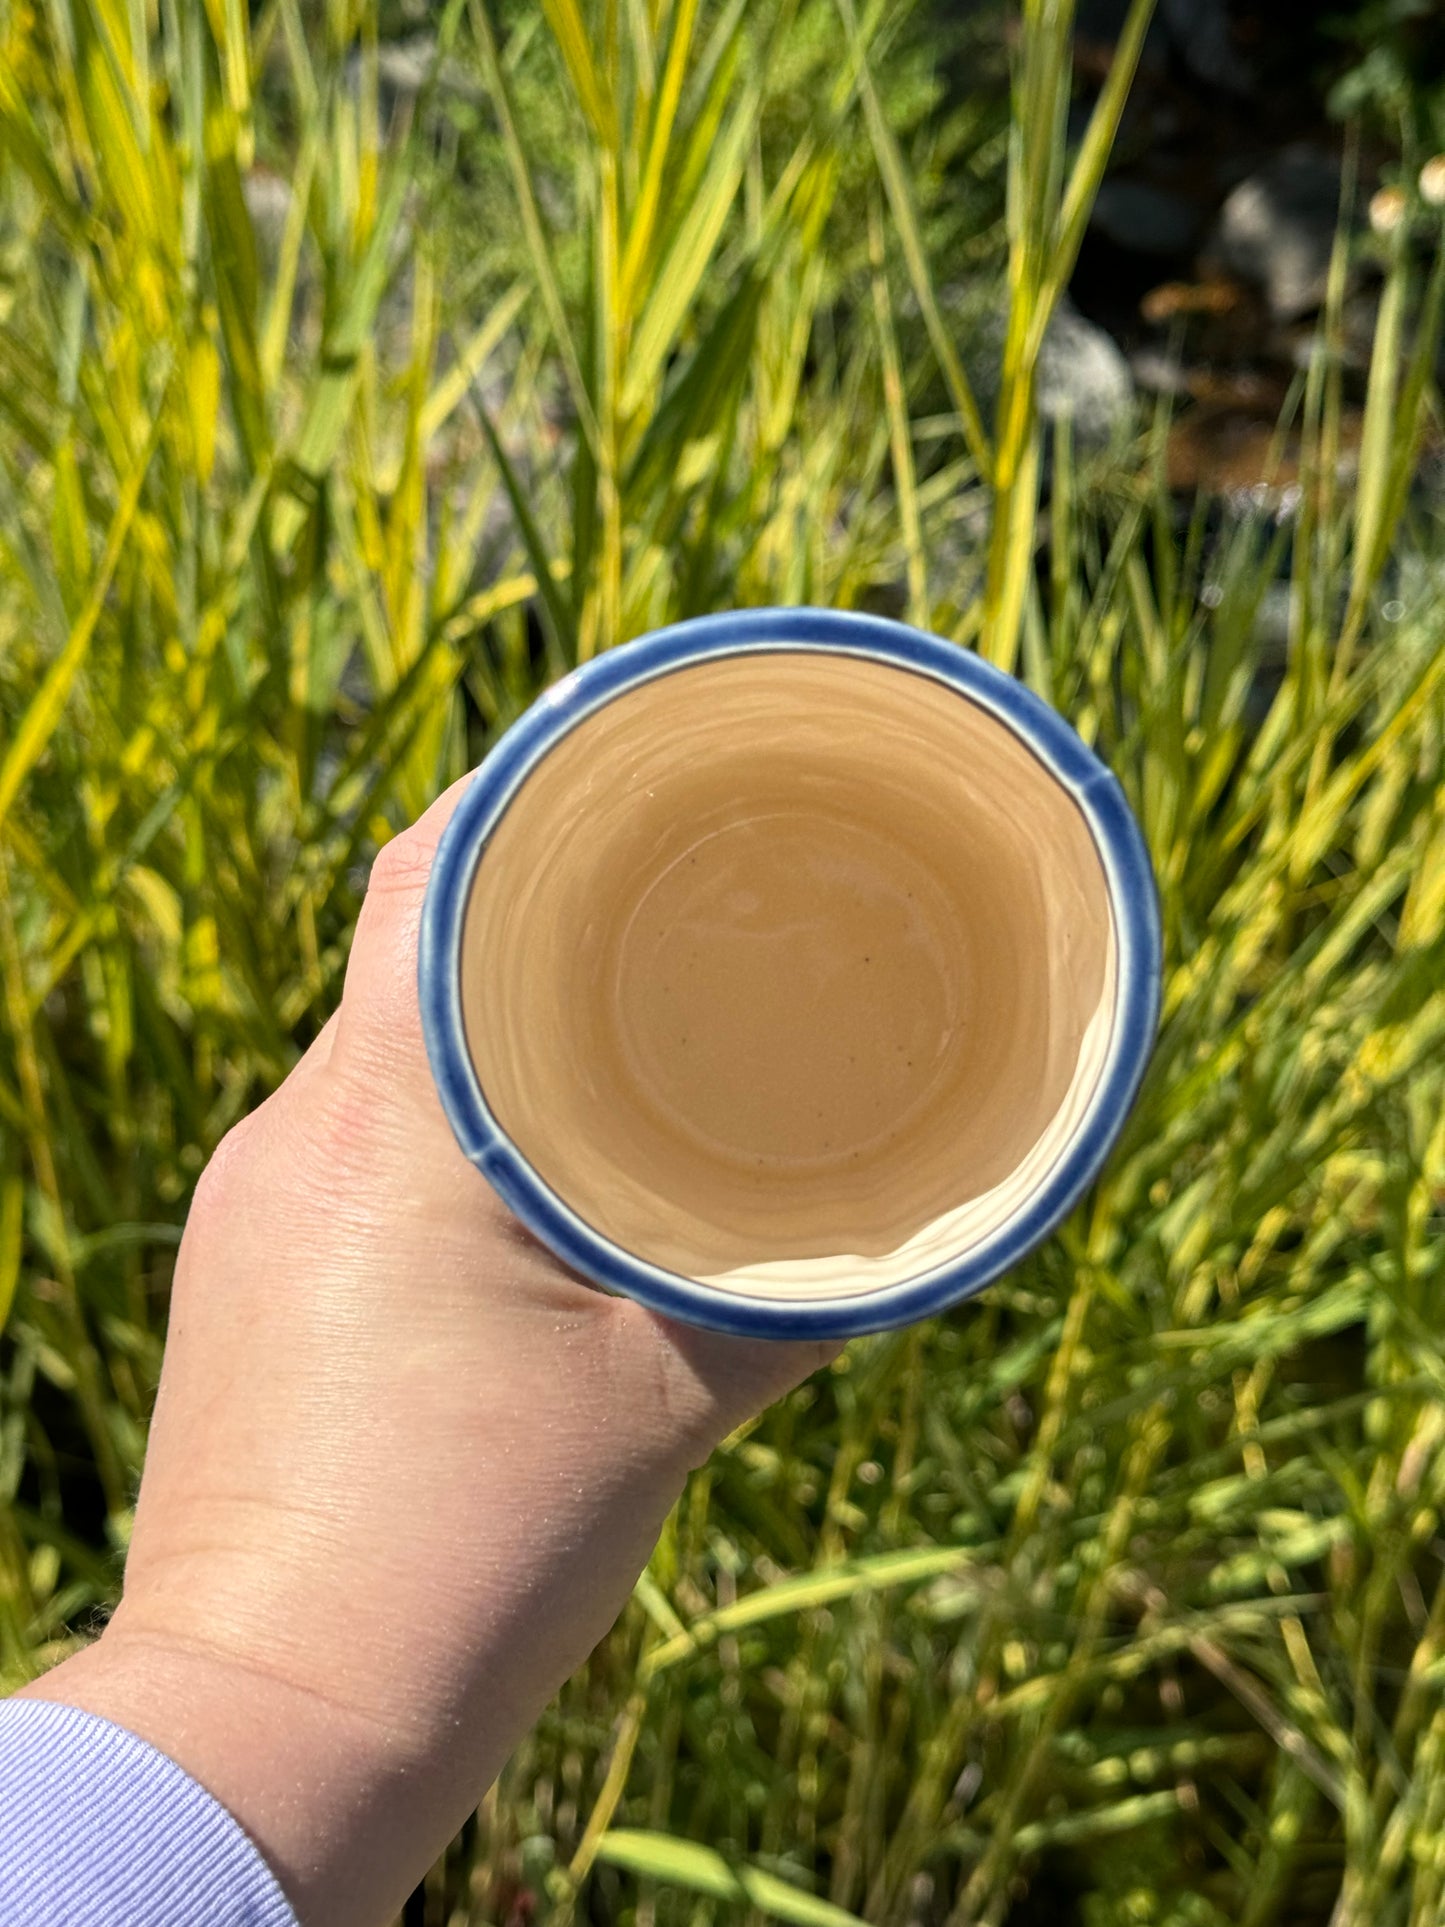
(1081, 370)
(1277, 229)
(1275, 619)
(1100, 19)
(1200, 32)
(1195, 32)
(1158, 371)
(403, 68)
(405, 65)
(1147, 220)
(1083, 374)
(268, 202)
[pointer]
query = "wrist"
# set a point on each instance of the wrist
(325, 1794)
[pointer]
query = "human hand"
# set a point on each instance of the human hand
(404, 1467)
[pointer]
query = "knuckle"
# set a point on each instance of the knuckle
(223, 1169)
(403, 864)
(350, 1102)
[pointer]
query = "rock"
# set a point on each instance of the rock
(1274, 621)
(1158, 371)
(1277, 229)
(1102, 21)
(404, 65)
(1081, 371)
(1146, 220)
(1199, 31)
(268, 202)
(1083, 374)
(403, 68)
(1195, 33)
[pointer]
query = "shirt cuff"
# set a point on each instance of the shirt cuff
(98, 1829)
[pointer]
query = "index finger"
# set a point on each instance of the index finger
(380, 1018)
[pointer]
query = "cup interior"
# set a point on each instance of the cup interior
(792, 972)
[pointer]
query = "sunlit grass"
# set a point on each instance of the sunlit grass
(1115, 1597)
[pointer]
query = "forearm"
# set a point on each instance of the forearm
(351, 1729)
(320, 1792)
(350, 1794)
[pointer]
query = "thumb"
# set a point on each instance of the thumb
(711, 1382)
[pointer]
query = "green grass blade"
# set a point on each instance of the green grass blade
(556, 613)
(681, 273)
(682, 1863)
(41, 719)
(564, 17)
(470, 361)
(539, 244)
(12, 1207)
(804, 1593)
(894, 175)
(899, 432)
(643, 224)
(1089, 165)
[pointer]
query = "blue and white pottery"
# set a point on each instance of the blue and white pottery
(791, 972)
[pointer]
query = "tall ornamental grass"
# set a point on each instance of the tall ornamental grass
(344, 403)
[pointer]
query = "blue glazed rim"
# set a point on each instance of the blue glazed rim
(560, 709)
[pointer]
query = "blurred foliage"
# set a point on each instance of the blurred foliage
(342, 404)
(1394, 70)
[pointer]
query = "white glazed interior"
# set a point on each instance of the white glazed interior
(792, 973)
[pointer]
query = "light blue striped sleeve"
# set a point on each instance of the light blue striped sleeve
(98, 1829)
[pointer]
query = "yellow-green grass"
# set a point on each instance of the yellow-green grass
(1116, 1597)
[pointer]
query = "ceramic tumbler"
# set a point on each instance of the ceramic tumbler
(790, 971)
